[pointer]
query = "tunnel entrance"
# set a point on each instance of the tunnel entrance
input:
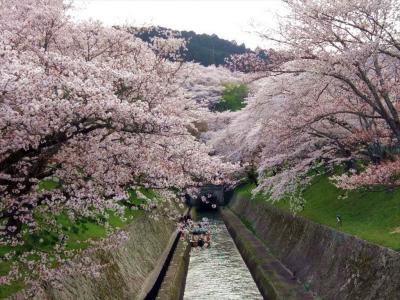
(209, 204)
(210, 198)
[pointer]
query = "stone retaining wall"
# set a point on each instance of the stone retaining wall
(131, 270)
(173, 285)
(273, 280)
(331, 263)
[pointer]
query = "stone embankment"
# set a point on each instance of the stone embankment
(173, 285)
(131, 271)
(273, 280)
(333, 264)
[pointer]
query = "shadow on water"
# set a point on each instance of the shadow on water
(219, 272)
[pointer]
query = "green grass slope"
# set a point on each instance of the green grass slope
(233, 97)
(370, 215)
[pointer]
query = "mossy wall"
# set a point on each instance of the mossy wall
(131, 270)
(333, 264)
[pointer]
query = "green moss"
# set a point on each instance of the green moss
(370, 215)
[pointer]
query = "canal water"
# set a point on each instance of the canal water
(219, 272)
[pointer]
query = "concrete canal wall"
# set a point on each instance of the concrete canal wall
(173, 285)
(273, 280)
(332, 264)
(131, 271)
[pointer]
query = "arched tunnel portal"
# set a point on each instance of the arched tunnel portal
(211, 197)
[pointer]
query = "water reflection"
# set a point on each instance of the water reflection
(219, 272)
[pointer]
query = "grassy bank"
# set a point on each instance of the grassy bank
(370, 215)
(233, 97)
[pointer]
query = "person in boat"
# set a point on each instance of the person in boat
(201, 242)
(199, 230)
(204, 223)
(196, 240)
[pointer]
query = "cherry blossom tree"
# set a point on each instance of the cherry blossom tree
(258, 61)
(94, 109)
(329, 96)
(205, 84)
(352, 47)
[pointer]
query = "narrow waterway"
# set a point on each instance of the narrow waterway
(219, 272)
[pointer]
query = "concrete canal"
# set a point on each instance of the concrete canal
(219, 272)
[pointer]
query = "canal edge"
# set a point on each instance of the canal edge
(170, 276)
(173, 285)
(271, 278)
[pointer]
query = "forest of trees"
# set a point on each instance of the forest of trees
(201, 48)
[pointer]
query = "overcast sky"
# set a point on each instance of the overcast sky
(229, 19)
